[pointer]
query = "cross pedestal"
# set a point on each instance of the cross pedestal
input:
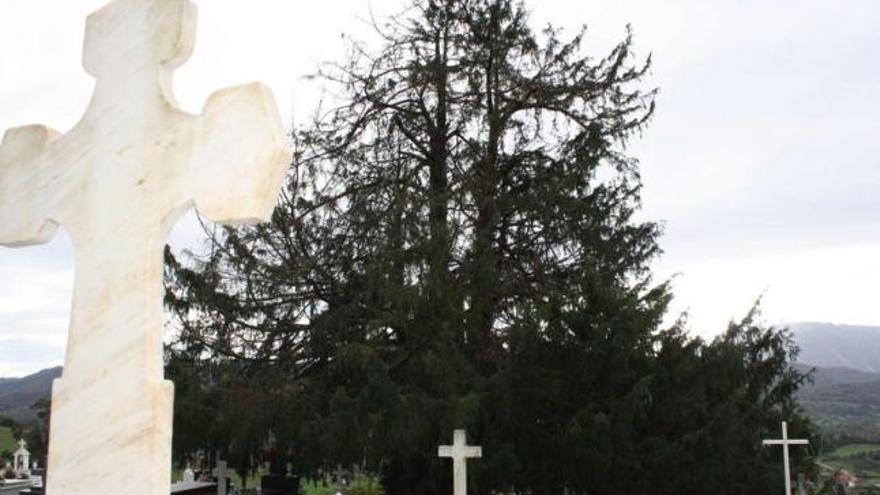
(460, 452)
(785, 442)
(117, 182)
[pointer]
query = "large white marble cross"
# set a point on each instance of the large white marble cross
(117, 182)
(460, 452)
(785, 442)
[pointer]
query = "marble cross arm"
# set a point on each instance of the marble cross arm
(465, 451)
(23, 176)
(241, 156)
(786, 442)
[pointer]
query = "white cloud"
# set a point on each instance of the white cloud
(823, 284)
(35, 295)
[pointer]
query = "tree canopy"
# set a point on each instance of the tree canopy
(457, 247)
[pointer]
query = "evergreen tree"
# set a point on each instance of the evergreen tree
(457, 248)
(36, 433)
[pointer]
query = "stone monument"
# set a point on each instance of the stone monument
(785, 442)
(21, 459)
(460, 452)
(222, 474)
(117, 182)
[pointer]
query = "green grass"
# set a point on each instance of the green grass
(315, 488)
(855, 449)
(7, 441)
(856, 458)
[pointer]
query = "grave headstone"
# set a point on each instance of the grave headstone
(785, 442)
(460, 452)
(222, 475)
(340, 476)
(280, 480)
(273, 484)
(21, 460)
(189, 475)
(37, 481)
(117, 182)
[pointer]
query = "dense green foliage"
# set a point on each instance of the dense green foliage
(7, 440)
(36, 432)
(457, 248)
(365, 485)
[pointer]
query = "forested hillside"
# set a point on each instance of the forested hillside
(17, 395)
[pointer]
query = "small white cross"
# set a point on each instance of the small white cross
(460, 452)
(785, 442)
(221, 474)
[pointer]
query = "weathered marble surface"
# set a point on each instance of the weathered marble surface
(117, 182)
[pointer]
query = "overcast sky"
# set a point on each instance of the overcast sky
(763, 160)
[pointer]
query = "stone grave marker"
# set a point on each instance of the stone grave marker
(117, 182)
(785, 442)
(222, 474)
(189, 475)
(460, 452)
(21, 459)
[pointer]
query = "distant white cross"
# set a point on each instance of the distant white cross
(222, 475)
(785, 442)
(460, 452)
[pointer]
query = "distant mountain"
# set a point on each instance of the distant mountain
(17, 395)
(838, 346)
(845, 396)
(824, 377)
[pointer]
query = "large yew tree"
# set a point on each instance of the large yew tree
(457, 248)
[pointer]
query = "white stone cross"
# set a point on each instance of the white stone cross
(460, 452)
(221, 473)
(785, 442)
(117, 182)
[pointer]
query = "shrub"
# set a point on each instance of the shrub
(310, 487)
(366, 485)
